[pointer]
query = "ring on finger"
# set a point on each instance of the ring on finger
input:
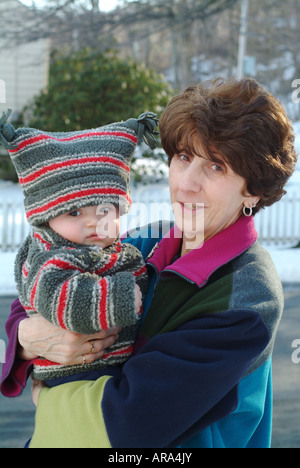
(92, 347)
(83, 360)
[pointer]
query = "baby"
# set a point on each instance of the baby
(72, 269)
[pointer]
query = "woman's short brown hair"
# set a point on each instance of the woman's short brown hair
(242, 122)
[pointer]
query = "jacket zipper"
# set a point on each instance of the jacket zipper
(171, 271)
(180, 275)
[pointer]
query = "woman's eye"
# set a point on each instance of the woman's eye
(217, 168)
(183, 157)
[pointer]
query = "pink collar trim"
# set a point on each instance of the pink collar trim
(198, 265)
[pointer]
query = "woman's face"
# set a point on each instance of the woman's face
(206, 196)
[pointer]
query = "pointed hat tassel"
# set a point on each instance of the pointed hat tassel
(145, 128)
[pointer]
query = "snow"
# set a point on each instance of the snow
(7, 283)
(287, 263)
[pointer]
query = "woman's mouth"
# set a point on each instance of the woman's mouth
(192, 207)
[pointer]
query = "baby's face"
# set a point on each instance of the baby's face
(90, 225)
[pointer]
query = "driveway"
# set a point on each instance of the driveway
(286, 376)
(17, 415)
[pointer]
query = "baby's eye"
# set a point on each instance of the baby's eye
(75, 213)
(104, 210)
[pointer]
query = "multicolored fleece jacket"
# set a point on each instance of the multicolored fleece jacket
(201, 373)
(80, 288)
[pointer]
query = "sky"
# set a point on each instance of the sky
(105, 5)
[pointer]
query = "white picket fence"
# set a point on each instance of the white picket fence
(13, 225)
(278, 225)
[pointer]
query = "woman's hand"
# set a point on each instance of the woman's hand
(38, 337)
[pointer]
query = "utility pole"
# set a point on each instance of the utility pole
(95, 5)
(243, 38)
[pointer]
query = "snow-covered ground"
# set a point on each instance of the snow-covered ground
(7, 284)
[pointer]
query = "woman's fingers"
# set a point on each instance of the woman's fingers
(103, 334)
(96, 349)
(37, 337)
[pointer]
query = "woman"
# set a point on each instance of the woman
(201, 374)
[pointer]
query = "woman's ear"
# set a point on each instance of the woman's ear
(251, 201)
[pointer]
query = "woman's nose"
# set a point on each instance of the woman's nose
(190, 180)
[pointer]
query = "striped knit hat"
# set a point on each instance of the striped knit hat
(61, 172)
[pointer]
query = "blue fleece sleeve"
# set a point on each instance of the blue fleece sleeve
(182, 382)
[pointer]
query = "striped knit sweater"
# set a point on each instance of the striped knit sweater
(82, 289)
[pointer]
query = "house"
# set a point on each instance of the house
(24, 58)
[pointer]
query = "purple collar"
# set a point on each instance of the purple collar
(199, 264)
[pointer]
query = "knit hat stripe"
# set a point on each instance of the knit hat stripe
(110, 187)
(33, 177)
(43, 137)
(37, 164)
(77, 195)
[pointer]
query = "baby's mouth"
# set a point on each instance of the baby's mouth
(95, 236)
